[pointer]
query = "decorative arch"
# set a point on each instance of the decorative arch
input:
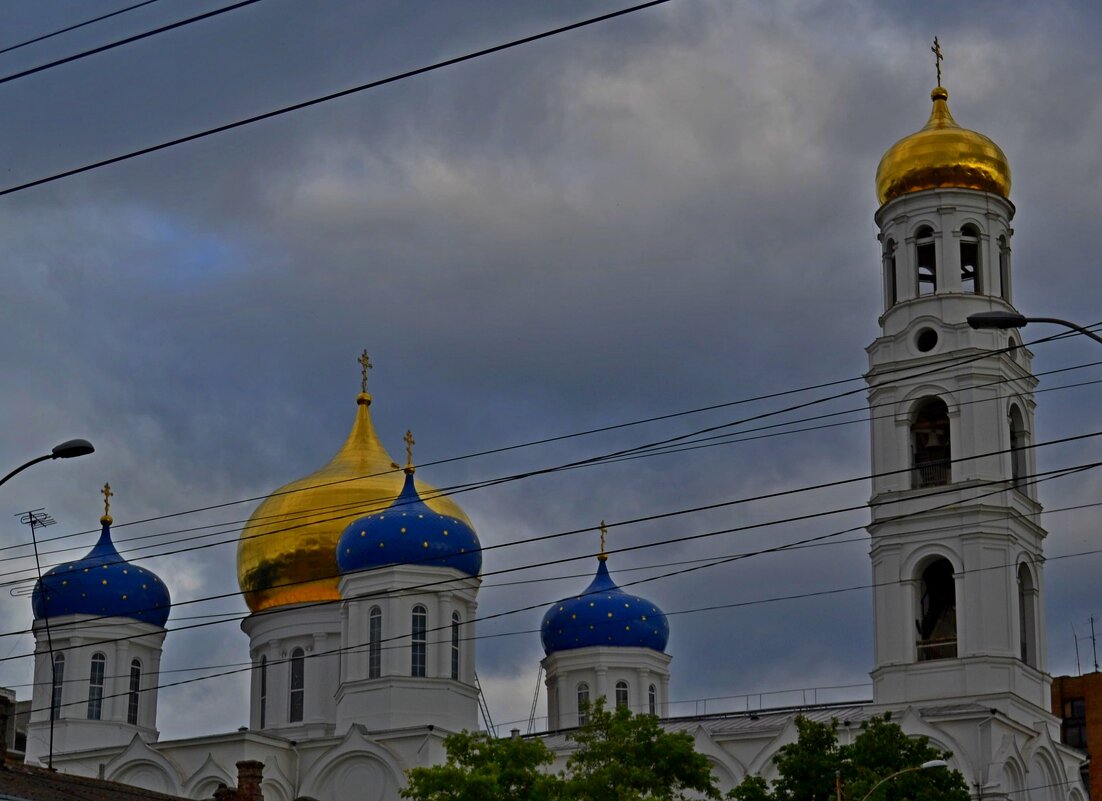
(140, 765)
(356, 768)
(726, 768)
(206, 778)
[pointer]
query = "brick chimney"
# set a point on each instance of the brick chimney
(249, 774)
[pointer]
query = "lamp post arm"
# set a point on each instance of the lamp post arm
(23, 467)
(1066, 323)
(889, 777)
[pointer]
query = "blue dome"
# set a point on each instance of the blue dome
(408, 532)
(102, 584)
(604, 615)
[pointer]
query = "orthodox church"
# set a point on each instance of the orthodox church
(362, 581)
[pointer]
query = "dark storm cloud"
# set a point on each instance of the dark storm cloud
(663, 212)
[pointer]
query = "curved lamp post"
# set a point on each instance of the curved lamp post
(998, 319)
(66, 450)
(933, 763)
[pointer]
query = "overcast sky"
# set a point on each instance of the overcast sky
(666, 211)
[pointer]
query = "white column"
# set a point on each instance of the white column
(444, 636)
(602, 688)
(119, 686)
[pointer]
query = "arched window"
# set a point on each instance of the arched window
(263, 691)
(583, 704)
(1027, 615)
(937, 626)
(926, 260)
(455, 645)
(375, 643)
(970, 275)
(58, 686)
(136, 688)
(930, 446)
(621, 694)
(298, 685)
(889, 272)
(652, 700)
(1017, 446)
(1004, 268)
(417, 652)
(95, 686)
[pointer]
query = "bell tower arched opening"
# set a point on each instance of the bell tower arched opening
(930, 445)
(926, 260)
(971, 278)
(937, 609)
(1027, 615)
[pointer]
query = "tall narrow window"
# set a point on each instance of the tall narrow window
(926, 260)
(621, 694)
(937, 626)
(652, 700)
(455, 645)
(930, 446)
(375, 643)
(889, 273)
(1027, 615)
(263, 691)
(583, 704)
(418, 645)
(58, 686)
(1004, 268)
(298, 685)
(970, 274)
(95, 686)
(1017, 446)
(136, 689)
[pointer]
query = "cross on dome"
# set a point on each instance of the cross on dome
(938, 58)
(107, 494)
(603, 555)
(365, 365)
(410, 442)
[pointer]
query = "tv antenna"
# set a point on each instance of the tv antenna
(36, 519)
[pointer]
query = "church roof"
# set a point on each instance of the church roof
(102, 583)
(29, 783)
(604, 615)
(409, 532)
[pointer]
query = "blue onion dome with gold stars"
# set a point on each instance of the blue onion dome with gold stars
(606, 616)
(102, 584)
(409, 532)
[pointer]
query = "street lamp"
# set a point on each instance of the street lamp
(997, 319)
(66, 450)
(933, 763)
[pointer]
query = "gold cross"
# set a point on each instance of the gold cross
(365, 365)
(938, 57)
(107, 493)
(409, 450)
(602, 555)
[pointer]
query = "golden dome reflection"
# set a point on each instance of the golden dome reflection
(940, 156)
(287, 551)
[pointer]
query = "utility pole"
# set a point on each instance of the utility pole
(38, 518)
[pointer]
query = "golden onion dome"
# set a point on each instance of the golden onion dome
(287, 553)
(941, 156)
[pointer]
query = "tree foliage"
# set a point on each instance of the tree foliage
(483, 768)
(619, 757)
(808, 767)
(626, 757)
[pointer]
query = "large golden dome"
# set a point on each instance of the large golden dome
(288, 550)
(940, 156)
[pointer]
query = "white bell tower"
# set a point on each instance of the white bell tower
(956, 535)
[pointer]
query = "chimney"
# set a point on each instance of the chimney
(6, 715)
(249, 774)
(224, 793)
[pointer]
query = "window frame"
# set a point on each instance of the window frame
(418, 650)
(296, 685)
(133, 695)
(97, 669)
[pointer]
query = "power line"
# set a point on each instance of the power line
(126, 41)
(331, 96)
(45, 36)
(951, 490)
(929, 366)
(725, 439)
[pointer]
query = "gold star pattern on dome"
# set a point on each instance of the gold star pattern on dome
(106, 493)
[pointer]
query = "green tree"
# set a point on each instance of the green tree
(808, 767)
(482, 768)
(626, 757)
